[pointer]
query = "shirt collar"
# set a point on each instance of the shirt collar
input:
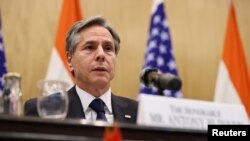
(86, 98)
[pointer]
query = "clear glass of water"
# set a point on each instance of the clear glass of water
(52, 102)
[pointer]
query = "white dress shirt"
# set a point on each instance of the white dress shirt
(87, 98)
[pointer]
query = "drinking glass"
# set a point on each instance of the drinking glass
(52, 100)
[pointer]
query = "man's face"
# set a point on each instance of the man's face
(93, 62)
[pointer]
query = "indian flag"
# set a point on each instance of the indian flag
(58, 69)
(233, 81)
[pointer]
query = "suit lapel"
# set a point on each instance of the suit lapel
(75, 106)
(120, 110)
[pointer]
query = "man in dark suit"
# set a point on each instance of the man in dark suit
(91, 48)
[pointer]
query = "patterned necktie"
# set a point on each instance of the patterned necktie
(98, 106)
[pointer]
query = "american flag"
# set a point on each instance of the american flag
(3, 69)
(159, 53)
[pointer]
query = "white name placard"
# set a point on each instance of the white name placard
(186, 113)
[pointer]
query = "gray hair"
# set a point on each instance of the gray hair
(72, 38)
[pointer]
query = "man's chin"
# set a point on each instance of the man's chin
(101, 82)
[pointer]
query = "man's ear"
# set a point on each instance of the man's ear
(69, 61)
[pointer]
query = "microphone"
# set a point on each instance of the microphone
(150, 76)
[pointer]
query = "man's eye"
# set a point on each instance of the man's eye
(89, 47)
(109, 48)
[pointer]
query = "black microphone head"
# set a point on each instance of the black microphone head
(150, 77)
(175, 84)
(169, 81)
(144, 76)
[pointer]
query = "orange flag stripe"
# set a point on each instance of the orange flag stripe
(70, 13)
(235, 61)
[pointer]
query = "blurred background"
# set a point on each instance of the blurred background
(197, 29)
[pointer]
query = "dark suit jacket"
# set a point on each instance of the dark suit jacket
(120, 106)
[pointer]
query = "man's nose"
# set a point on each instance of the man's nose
(100, 54)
